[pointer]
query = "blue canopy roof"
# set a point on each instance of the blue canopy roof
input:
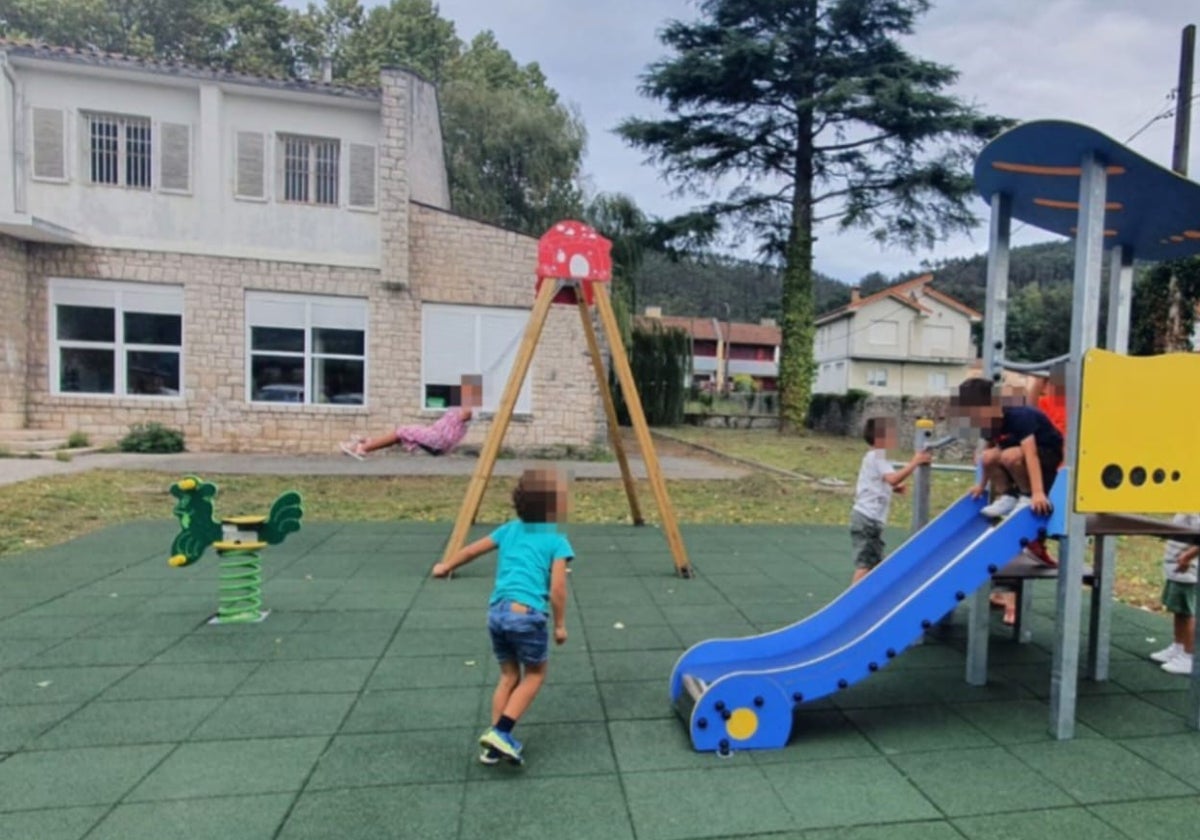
(1150, 210)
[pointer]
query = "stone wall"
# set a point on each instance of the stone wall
(13, 332)
(907, 411)
(453, 260)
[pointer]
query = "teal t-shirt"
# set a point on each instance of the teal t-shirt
(527, 551)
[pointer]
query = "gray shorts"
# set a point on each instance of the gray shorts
(1179, 598)
(866, 539)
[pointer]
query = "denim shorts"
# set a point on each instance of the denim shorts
(518, 637)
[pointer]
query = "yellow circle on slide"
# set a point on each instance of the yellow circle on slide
(742, 724)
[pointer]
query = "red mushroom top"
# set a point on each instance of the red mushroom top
(572, 250)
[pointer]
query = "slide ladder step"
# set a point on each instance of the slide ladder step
(694, 686)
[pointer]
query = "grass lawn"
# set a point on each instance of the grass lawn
(48, 511)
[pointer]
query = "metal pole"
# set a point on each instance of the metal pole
(1104, 557)
(920, 477)
(1085, 312)
(1183, 110)
(995, 320)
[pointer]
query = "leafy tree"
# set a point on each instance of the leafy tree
(815, 110)
(1164, 308)
(513, 151)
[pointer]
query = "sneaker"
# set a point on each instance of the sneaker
(1168, 653)
(489, 756)
(1037, 551)
(353, 448)
(1180, 663)
(1000, 508)
(502, 742)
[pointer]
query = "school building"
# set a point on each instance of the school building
(267, 265)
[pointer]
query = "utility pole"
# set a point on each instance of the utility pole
(1183, 108)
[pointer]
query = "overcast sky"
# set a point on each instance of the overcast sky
(1107, 63)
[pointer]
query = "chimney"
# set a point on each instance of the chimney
(855, 297)
(767, 322)
(327, 70)
(654, 312)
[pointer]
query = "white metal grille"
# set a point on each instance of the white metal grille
(310, 170)
(120, 150)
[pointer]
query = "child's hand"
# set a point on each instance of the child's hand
(1040, 504)
(1183, 566)
(560, 635)
(922, 458)
(900, 488)
(976, 491)
(441, 570)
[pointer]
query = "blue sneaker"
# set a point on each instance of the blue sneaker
(502, 742)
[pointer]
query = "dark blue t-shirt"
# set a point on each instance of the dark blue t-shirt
(1018, 423)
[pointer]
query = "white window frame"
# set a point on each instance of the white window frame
(123, 122)
(939, 350)
(313, 146)
(309, 355)
(877, 377)
(477, 363)
(110, 293)
(158, 145)
(65, 133)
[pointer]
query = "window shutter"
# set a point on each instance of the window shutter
(362, 176)
(49, 144)
(175, 159)
(251, 165)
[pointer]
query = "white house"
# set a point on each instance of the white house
(906, 340)
(268, 265)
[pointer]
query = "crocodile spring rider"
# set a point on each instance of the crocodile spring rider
(236, 539)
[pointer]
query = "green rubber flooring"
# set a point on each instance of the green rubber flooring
(352, 711)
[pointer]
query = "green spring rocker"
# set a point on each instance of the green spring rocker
(237, 541)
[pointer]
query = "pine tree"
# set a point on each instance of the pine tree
(815, 110)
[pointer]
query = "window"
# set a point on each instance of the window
(938, 383)
(883, 332)
(119, 150)
(877, 377)
(308, 350)
(362, 177)
(310, 170)
(251, 166)
(460, 340)
(120, 339)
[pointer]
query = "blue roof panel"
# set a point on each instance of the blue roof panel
(1150, 210)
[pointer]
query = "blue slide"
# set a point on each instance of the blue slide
(740, 693)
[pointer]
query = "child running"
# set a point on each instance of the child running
(530, 587)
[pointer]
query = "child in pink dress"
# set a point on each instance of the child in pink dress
(436, 439)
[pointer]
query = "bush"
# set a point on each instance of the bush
(78, 440)
(152, 437)
(836, 414)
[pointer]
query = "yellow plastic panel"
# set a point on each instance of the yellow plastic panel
(1139, 436)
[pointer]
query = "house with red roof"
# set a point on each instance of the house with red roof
(722, 349)
(906, 340)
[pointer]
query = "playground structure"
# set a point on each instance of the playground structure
(574, 269)
(1130, 449)
(237, 541)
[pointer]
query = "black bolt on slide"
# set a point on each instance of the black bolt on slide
(702, 723)
(1024, 541)
(992, 568)
(843, 684)
(797, 697)
(758, 701)
(926, 624)
(959, 595)
(891, 653)
(726, 714)
(873, 667)
(719, 705)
